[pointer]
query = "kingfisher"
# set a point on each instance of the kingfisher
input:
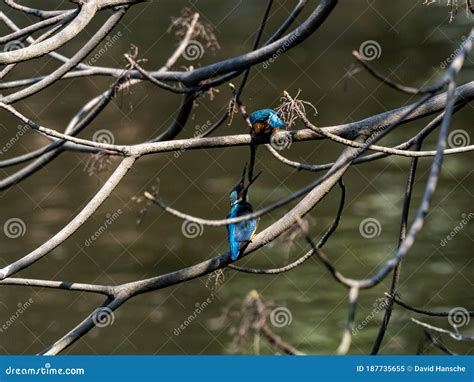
(266, 120)
(240, 234)
(263, 121)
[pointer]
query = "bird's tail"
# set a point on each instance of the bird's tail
(234, 249)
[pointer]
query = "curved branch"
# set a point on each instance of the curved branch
(425, 311)
(71, 63)
(87, 12)
(79, 287)
(74, 224)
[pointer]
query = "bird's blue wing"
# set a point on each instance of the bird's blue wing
(275, 121)
(260, 115)
(245, 230)
(234, 245)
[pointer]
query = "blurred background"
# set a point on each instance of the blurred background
(415, 41)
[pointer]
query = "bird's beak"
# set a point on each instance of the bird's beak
(251, 182)
(242, 179)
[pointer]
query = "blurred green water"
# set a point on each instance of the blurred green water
(414, 41)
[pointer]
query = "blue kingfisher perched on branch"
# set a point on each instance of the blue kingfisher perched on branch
(263, 121)
(266, 120)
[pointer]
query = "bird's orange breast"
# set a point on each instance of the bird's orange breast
(260, 127)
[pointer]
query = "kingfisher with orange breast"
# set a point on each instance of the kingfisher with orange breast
(265, 121)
